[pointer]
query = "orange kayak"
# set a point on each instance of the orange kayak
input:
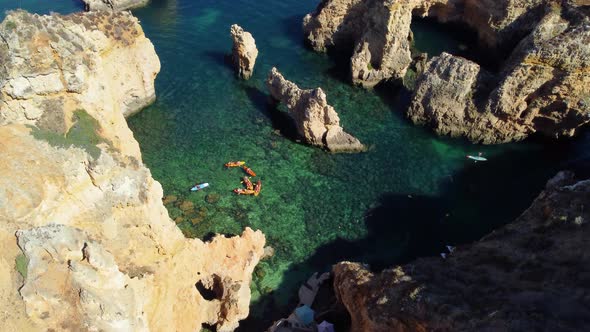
(248, 170)
(242, 191)
(234, 163)
(257, 188)
(246, 181)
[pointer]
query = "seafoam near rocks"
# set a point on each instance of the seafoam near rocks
(244, 51)
(317, 121)
(96, 248)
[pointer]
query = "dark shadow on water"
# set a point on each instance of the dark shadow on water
(280, 120)
(340, 56)
(222, 59)
(293, 28)
(404, 226)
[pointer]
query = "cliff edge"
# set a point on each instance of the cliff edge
(85, 239)
(530, 275)
(543, 85)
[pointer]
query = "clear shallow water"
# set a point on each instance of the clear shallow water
(408, 196)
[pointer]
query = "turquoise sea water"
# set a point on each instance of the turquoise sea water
(408, 196)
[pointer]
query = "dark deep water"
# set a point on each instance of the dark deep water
(411, 194)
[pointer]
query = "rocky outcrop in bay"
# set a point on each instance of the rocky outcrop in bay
(244, 51)
(317, 122)
(532, 274)
(86, 243)
(113, 5)
(544, 87)
(377, 30)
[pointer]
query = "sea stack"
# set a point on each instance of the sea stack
(244, 51)
(316, 121)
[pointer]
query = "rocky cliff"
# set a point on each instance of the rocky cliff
(86, 241)
(541, 87)
(531, 275)
(377, 30)
(244, 51)
(114, 5)
(544, 87)
(316, 121)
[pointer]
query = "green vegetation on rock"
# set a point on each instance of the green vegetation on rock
(82, 134)
(21, 265)
(10, 26)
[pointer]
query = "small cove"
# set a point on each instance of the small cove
(411, 194)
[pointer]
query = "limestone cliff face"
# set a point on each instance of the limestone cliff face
(244, 51)
(93, 61)
(317, 122)
(544, 87)
(378, 30)
(79, 212)
(114, 5)
(530, 275)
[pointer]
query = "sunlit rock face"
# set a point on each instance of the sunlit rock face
(317, 121)
(377, 30)
(544, 87)
(244, 51)
(80, 214)
(513, 279)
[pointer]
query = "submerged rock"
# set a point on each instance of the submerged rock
(531, 274)
(113, 5)
(316, 121)
(103, 252)
(244, 51)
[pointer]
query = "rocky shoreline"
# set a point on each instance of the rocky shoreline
(543, 86)
(80, 214)
(531, 274)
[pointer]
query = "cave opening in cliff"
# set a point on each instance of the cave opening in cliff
(208, 328)
(210, 288)
(433, 37)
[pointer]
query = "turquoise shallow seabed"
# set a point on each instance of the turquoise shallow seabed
(408, 196)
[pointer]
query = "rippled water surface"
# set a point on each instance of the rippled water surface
(410, 194)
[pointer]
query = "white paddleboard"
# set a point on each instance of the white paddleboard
(477, 158)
